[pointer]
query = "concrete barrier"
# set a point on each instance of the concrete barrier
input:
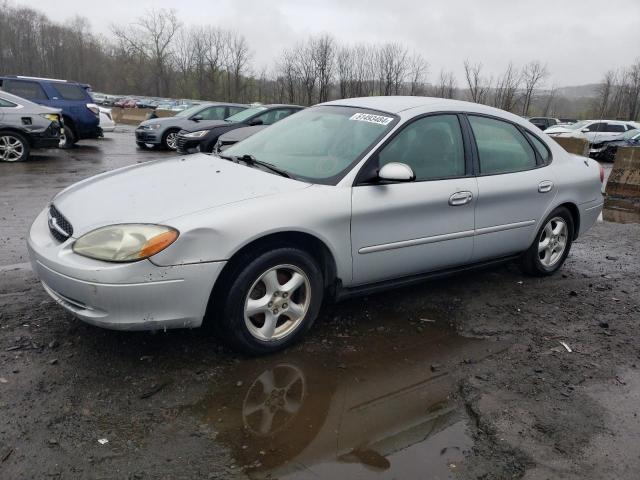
(579, 146)
(623, 187)
(133, 116)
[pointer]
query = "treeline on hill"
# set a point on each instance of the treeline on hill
(156, 55)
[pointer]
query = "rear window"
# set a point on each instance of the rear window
(24, 89)
(70, 92)
(541, 148)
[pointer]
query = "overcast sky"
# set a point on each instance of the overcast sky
(578, 39)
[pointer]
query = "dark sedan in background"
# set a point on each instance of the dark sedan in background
(234, 136)
(204, 136)
(163, 132)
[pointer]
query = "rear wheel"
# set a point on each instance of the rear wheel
(271, 301)
(68, 138)
(170, 140)
(552, 244)
(14, 147)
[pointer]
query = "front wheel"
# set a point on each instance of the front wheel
(170, 140)
(552, 244)
(271, 301)
(68, 138)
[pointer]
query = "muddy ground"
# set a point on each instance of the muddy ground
(459, 378)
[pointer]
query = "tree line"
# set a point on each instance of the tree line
(157, 55)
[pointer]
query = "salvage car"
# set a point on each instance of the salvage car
(606, 151)
(25, 126)
(163, 132)
(203, 137)
(594, 131)
(341, 199)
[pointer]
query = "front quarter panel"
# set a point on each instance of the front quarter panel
(218, 233)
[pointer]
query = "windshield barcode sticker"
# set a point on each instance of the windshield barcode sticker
(367, 117)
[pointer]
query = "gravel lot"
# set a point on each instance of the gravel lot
(459, 378)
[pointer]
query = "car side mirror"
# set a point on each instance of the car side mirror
(396, 172)
(197, 118)
(584, 130)
(255, 122)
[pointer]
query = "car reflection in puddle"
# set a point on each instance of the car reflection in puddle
(384, 408)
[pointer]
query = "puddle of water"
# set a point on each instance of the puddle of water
(380, 407)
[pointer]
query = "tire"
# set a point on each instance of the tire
(169, 139)
(252, 279)
(14, 147)
(551, 246)
(68, 140)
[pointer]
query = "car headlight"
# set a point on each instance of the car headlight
(198, 134)
(126, 242)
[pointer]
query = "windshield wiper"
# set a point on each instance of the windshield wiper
(251, 160)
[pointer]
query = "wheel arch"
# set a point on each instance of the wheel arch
(575, 216)
(22, 133)
(308, 242)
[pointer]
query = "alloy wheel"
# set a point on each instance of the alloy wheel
(11, 148)
(552, 241)
(277, 303)
(172, 140)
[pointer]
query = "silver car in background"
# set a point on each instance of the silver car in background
(343, 198)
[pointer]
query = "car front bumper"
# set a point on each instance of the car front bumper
(147, 136)
(121, 296)
(188, 145)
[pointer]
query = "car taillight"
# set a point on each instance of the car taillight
(94, 108)
(601, 173)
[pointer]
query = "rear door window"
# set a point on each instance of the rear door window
(25, 89)
(501, 146)
(614, 127)
(70, 92)
(542, 149)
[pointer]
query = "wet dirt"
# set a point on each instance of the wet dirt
(460, 378)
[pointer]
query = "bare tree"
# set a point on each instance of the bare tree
(237, 63)
(446, 87)
(324, 58)
(344, 70)
(478, 85)
(418, 68)
(633, 75)
(533, 74)
(392, 67)
(506, 89)
(152, 36)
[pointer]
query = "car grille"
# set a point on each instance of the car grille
(59, 226)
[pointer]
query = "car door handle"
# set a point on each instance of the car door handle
(545, 186)
(460, 198)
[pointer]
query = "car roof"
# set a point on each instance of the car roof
(211, 104)
(418, 105)
(44, 79)
(24, 102)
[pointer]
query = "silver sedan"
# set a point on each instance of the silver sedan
(347, 197)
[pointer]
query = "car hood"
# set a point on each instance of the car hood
(154, 192)
(241, 133)
(206, 125)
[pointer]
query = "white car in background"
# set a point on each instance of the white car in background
(594, 131)
(106, 120)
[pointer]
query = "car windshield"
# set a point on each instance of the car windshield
(244, 114)
(319, 144)
(577, 125)
(187, 111)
